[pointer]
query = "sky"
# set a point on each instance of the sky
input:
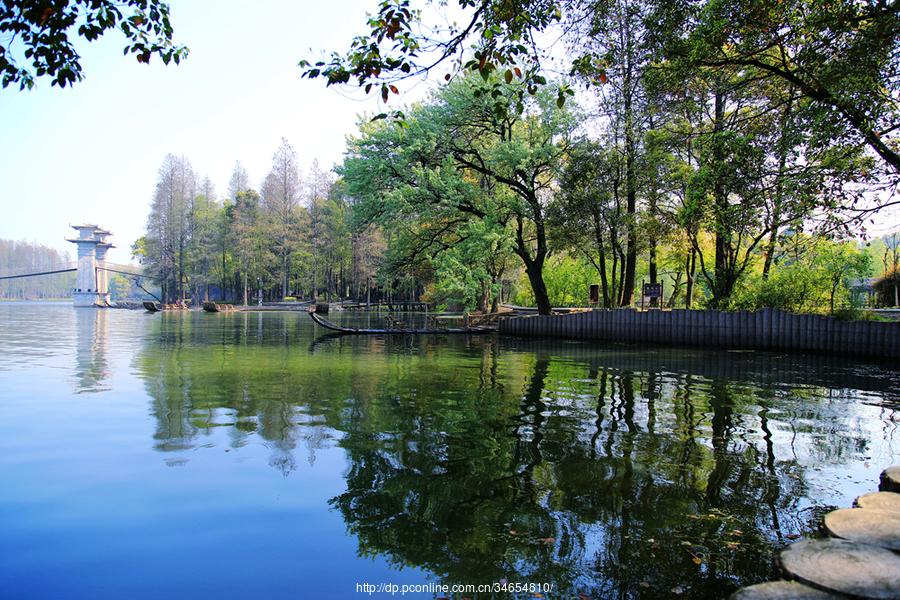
(91, 153)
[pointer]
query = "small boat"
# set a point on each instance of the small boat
(215, 307)
(396, 328)
(155, 307)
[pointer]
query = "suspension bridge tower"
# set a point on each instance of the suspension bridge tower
(92, 281)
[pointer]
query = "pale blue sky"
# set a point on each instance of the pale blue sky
(91, 153)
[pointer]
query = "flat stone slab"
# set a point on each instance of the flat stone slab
(889, 501)
(782, 590)
(890, 479)
(844, 567)
(866, 526)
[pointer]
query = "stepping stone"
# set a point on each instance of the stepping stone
(889, 501)
(844, 567)
(866, 526)
(890, 479)
(781, 590)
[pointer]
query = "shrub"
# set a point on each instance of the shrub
(888, 288)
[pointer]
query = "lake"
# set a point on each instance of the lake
(193, 455)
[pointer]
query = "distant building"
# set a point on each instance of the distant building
(862, 291)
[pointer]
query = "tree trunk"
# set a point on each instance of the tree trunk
(630, 205)
(222, 291)
(723, 276)
(653, 242)
(534, 267)
(483, 298)
(178, 286)
(601, 254)
(779, 190)
(538, 287)
(690, 270)
(675, 286)
(284, 274)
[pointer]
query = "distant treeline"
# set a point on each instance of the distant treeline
(19, 256)
(322, 237)
(293, 238)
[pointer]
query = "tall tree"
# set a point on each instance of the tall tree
(163, 248)
(239, 181)
(591, 215)
(490, 132)
(282, 190)
(250, 243)
(615, 55)
(481, 150)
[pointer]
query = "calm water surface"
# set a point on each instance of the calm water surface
(246, 455)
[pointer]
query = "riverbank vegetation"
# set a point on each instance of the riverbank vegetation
(27, 257)
(714, 147)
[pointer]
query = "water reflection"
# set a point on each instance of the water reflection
(614, 472)
(91, 365)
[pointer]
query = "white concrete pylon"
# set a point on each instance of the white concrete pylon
(91, 283)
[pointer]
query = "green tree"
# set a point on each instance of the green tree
(281, 198)
(839, 263)
(818, 273)
(841, 56)
(163, 250)
(590, 215)
(28, 257)
(205, 242)
(250, 243)
(38, 34)
(470, 271)
(475, 152)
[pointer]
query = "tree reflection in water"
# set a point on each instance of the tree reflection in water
(613, 472)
